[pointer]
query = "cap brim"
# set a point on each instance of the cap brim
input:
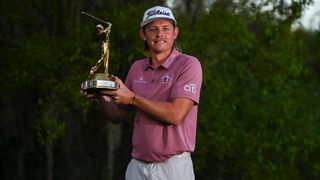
(154, 19)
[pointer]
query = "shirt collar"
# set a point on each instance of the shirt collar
(168, 63)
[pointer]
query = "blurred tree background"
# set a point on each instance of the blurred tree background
(259, 110)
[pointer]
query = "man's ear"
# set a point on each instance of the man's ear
(176, 32)
(142, 35)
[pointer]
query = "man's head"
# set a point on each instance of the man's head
(157, 12)
(158, 30)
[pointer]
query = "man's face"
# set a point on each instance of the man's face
(160, 35)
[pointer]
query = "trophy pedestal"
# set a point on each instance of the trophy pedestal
(99, 82)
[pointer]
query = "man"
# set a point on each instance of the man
(164, 89)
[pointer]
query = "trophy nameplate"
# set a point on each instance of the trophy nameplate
(101, 81)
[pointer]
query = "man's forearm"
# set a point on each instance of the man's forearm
(112, 111)
(173, 112)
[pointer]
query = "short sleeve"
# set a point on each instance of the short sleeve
(189, 80)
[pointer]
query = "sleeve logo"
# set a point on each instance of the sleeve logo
(190, 88)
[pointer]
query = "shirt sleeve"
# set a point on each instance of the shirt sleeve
(131, 71)
(189, 80)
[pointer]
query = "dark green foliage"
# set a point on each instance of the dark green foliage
(259, 110)
(259, 104)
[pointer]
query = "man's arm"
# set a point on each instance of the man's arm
(112, 110)
(172, 112)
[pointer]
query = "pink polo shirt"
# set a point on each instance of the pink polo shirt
(179, 76)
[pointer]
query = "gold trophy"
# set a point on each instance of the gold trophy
(101, 81)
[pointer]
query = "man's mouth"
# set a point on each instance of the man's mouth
(159, 41)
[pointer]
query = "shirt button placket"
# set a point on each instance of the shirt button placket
(153, 76)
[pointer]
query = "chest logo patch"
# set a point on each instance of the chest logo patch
(140, 80)
(165, 79)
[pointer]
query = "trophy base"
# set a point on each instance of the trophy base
(94, 86)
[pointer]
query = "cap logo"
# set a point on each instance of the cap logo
(157, 12)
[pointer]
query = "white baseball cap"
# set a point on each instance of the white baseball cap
(157, 12)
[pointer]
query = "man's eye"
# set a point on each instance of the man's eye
(152, 29)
